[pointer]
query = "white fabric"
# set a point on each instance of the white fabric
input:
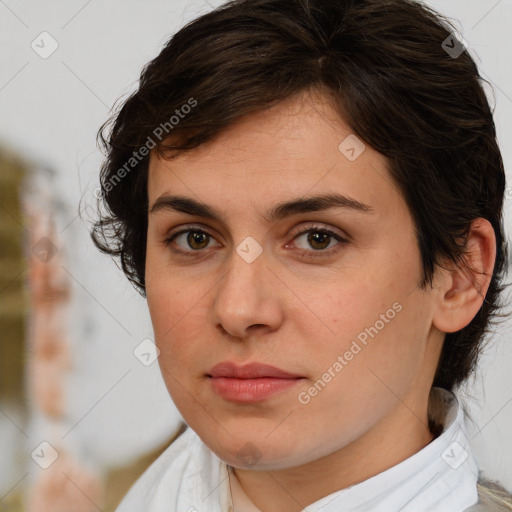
(441, 477)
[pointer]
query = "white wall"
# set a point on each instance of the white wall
(50, 109)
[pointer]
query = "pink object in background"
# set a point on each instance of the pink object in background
(65, 487)
(50, 294)
(65, 484)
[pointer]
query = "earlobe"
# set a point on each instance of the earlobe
(462, 288)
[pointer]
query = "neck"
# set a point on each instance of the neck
(293, 489)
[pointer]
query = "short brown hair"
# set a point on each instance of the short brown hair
(384, 64)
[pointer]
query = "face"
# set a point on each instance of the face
(325, 290)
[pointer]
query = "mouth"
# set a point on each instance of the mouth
(250, 371)
(253, 382)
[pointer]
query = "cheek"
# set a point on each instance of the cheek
(179, 313)
(170, 312)
(345, 309)
(372, 320)
(359, 372)
(169, 295)
(178, 325)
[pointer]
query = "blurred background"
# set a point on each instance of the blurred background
(83, 408)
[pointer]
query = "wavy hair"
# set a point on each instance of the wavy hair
(387, 66)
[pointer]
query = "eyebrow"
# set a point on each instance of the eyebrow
(280, 211)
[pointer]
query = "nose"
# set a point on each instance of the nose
(246, 298)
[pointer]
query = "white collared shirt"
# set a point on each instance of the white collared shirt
(441, 477)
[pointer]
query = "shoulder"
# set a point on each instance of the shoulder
(492, 497)
(165, 472)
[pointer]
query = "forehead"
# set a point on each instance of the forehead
(298, 147)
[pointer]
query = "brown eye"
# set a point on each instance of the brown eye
(189, 241)
(317, 242)
(197, 238)
(318, 239)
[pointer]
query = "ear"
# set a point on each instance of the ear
(462, 290)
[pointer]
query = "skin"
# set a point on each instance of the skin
(299, 312)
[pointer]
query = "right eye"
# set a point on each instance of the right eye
(193, 238)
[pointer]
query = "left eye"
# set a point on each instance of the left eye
(319, 239)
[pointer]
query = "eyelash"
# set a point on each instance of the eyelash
(303, 252)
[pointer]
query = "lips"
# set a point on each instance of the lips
(250, 371)
(251, 383)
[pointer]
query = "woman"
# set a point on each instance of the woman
(309, 194)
